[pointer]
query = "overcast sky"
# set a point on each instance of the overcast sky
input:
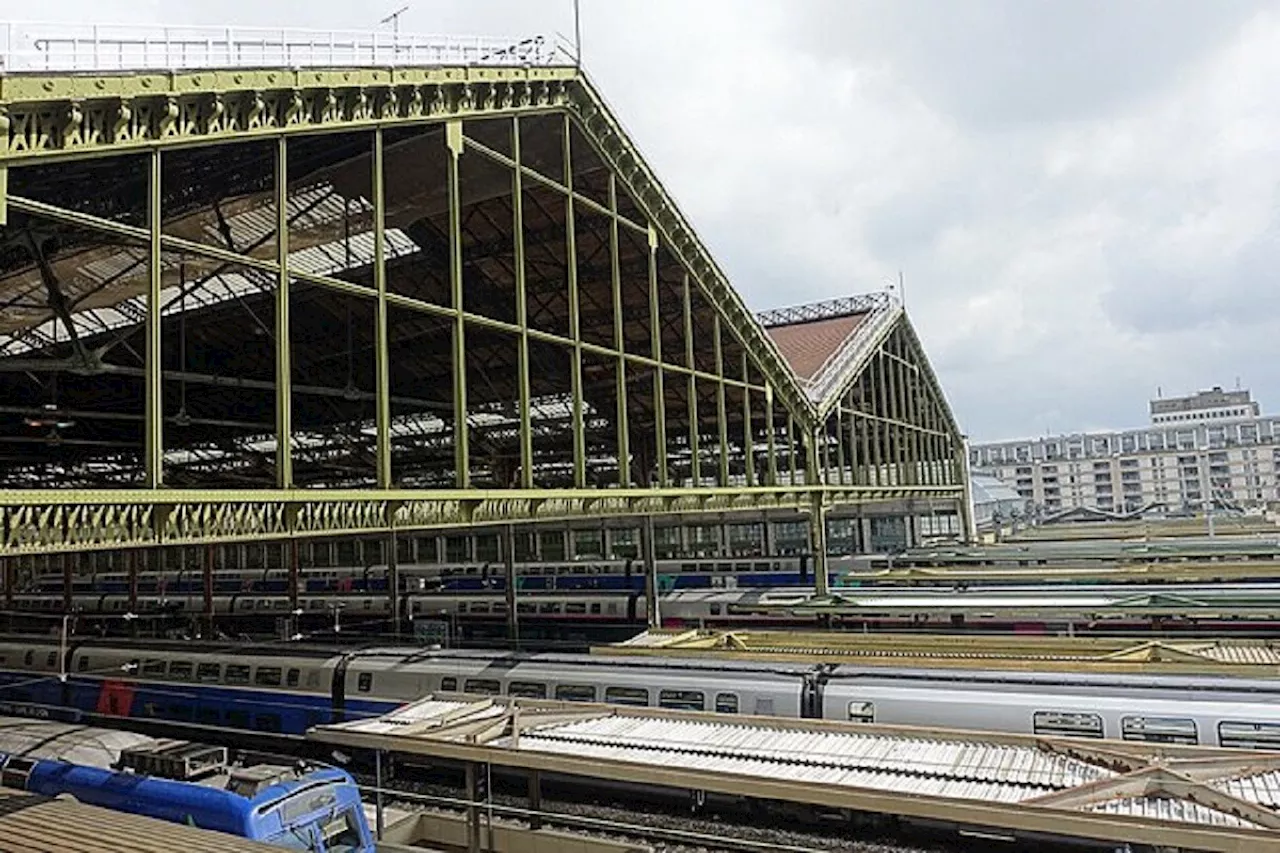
(1082, 194)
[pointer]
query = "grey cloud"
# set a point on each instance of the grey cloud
(1008, 62)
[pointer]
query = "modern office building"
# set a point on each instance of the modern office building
(1214, 443)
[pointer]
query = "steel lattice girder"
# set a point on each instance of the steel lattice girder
(62, 119)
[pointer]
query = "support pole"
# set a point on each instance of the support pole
(284, 370)
(153, 360)
(659, 390)
(619, 340)
(509, 571)
(295, 621)
(132, 559)
(721, 414)
(522, 313)
(653, 613)
(535, 799)
(818, 541)
(207, 576)
(382, 356)
(66, 582)
(10, 578)
(461, 454)
(695, 452)
(575, 323)
(473, 807)
(393, 581)
(377, 794)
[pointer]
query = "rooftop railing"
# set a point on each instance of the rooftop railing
(35, 46)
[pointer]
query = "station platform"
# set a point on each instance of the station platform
(1030, 653)
(53, 825)
(1029, 787)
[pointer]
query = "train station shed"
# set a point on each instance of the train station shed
(293, 286)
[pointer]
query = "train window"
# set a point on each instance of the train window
(526, 608)
(83, 665)
(479, 607)
(487, 686)
(1241, 735)
(549, 607)
(248, 605)
(626, 696)
(1159, 729)
(180, 670)
(291, 679)
(313, 678)
(153, 668)
(1066, 723)
(715, 609)
(462, 607)
(133, 665)
(237, 673)
(595, 607)
(682, 700)
(726, 703)
(575, 607)
(51, 660)
(29, 658)
(862, 712)
(499, 607)
(365, 682)
(527, 689)
(611, 607)
(238, 719)
(575, 693)
(267, 676)
(209, 672)
(450, 684)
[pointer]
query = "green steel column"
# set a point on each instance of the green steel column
(655, 344)
(619, 340)
(791, 448)
(695, 450)
(748, 440)
(895, 429)
(818, 542)
(522, 312)
(284, 371)
(461, 453)
(382, 357)
(769, 432)
(575, 324)
(854, 457)
(154, 443)
(840, 443)
(720, 402)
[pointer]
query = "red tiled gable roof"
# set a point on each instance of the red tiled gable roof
(807, 346)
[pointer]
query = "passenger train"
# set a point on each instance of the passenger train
(1236, 607)
(286, 691)
(564, 575)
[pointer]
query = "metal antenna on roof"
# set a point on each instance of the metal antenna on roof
(394, 19)
(577, 33)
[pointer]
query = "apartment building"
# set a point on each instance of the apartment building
(1213, 444)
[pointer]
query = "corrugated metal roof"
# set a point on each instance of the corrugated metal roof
(29, 822)
(1208, 788)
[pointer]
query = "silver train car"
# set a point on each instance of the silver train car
(266, 689)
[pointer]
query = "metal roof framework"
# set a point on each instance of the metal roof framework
(314, 301)
(1195, 797)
